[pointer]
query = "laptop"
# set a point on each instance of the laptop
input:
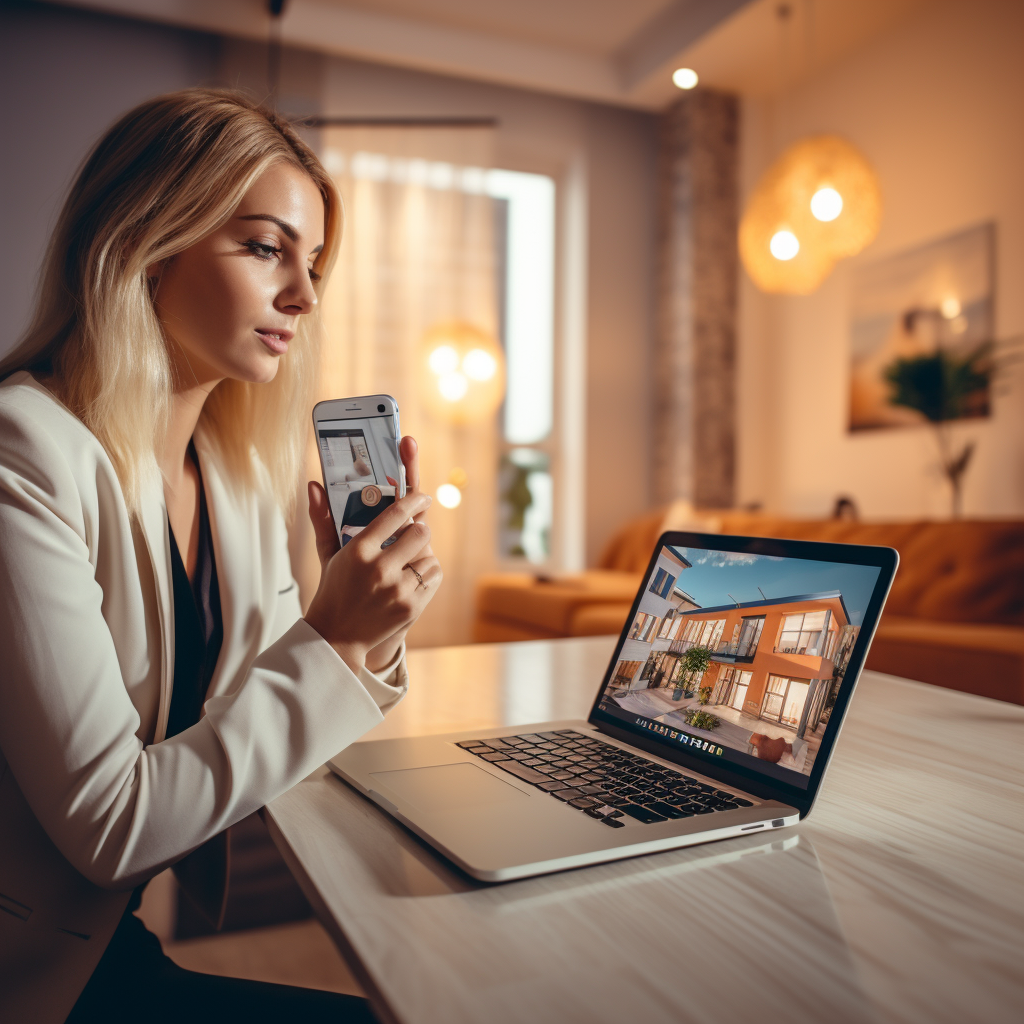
(716, 717)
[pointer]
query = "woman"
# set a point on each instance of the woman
(159, 680)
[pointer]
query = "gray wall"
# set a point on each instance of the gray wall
(65, 75)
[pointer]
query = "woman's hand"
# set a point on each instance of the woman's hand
(369, 596)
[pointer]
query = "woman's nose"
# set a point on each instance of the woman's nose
(299, 296)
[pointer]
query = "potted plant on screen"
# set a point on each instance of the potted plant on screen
(695, 662)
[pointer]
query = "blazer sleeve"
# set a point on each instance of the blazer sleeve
(120, 811)
(389, 684)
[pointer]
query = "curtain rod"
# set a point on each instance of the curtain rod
(396, 122)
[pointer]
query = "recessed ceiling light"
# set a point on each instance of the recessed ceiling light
(685, 78)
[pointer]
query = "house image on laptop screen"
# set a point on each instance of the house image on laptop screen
(758, 676)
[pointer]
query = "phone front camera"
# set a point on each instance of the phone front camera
(380, 408)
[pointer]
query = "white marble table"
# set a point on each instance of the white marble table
(900, 898)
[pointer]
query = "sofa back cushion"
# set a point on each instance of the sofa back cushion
(957, 571)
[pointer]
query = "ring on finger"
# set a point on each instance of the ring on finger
(416, 573)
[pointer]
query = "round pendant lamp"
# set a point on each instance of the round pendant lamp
(818, 203)
(462, 373)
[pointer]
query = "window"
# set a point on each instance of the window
(526, 289)
(662, 583)
(732, 688)
(667, 625)
(805, 633)
(624, 673)
(643, 626)
(784, 700)
(750, 634)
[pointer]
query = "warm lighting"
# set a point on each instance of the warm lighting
(784, 245)
(444, 359)
(449, 496)
(826, 204)
(684, 78)
(464, 373)
(827, 196)
(950, 307)
(479, 365)
(453, 386)
(959, 325)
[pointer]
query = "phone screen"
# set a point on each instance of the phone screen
(362, 470)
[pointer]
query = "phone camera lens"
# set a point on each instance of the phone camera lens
(380, 408)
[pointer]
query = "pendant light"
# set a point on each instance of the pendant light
(818, 203)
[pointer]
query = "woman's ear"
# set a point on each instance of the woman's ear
(153, 274)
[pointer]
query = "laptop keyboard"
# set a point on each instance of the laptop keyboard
(602, 780)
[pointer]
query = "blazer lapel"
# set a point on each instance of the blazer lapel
(153, 523)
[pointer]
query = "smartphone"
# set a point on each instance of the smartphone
(357, 439)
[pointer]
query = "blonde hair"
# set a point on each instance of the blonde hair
(166, 175)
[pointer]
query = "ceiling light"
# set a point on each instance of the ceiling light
(790, 197)
(479, 365)
(452, 386)
(826, 204)
(784, 245)
(449, 496)
(462, 378)
(684, 78)
(444, 359)
(950, 307)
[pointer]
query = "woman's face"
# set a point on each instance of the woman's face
(230, 304)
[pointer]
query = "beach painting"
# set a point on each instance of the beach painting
(936, 299)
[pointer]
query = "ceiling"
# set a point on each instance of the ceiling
(613, 51)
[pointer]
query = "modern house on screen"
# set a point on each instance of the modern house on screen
(775, 660)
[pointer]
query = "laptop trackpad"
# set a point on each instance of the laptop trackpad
(445, 786)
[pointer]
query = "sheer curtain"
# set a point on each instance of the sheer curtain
(418, 250)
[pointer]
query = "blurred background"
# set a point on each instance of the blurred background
(746, 266)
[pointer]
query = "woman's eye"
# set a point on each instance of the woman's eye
(313, 275)
(261, 250)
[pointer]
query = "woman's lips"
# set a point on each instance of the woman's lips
(276, 341)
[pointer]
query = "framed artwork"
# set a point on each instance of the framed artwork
(921, 314)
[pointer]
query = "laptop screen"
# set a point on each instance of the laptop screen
(739, 657)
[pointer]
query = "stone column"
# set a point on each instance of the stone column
(695, 347)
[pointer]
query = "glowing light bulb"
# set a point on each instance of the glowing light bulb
(826, 204)
(784, 245)
(684, 78)
(444, 359)
(449, 496)
(452, 386)
(479, 365)
(950, 307)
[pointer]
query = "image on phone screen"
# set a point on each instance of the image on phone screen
(362, 470)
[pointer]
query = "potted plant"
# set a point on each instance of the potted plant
(694, 663)
(944, 386)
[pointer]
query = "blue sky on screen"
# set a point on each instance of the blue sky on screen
(716, 575)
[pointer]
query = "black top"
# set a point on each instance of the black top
(198, 628)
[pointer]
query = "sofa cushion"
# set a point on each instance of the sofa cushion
(976, 658)
(549, 603)
(958, 571)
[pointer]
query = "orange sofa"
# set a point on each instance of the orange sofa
(955, 616)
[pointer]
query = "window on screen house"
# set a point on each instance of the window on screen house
(662, 583)
(525, 234)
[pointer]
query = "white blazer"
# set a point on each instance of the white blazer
(93, 799)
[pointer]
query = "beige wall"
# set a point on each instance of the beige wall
(937, 105)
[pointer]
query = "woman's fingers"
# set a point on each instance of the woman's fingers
(323, 524)
(390, 521)
(429, 569)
